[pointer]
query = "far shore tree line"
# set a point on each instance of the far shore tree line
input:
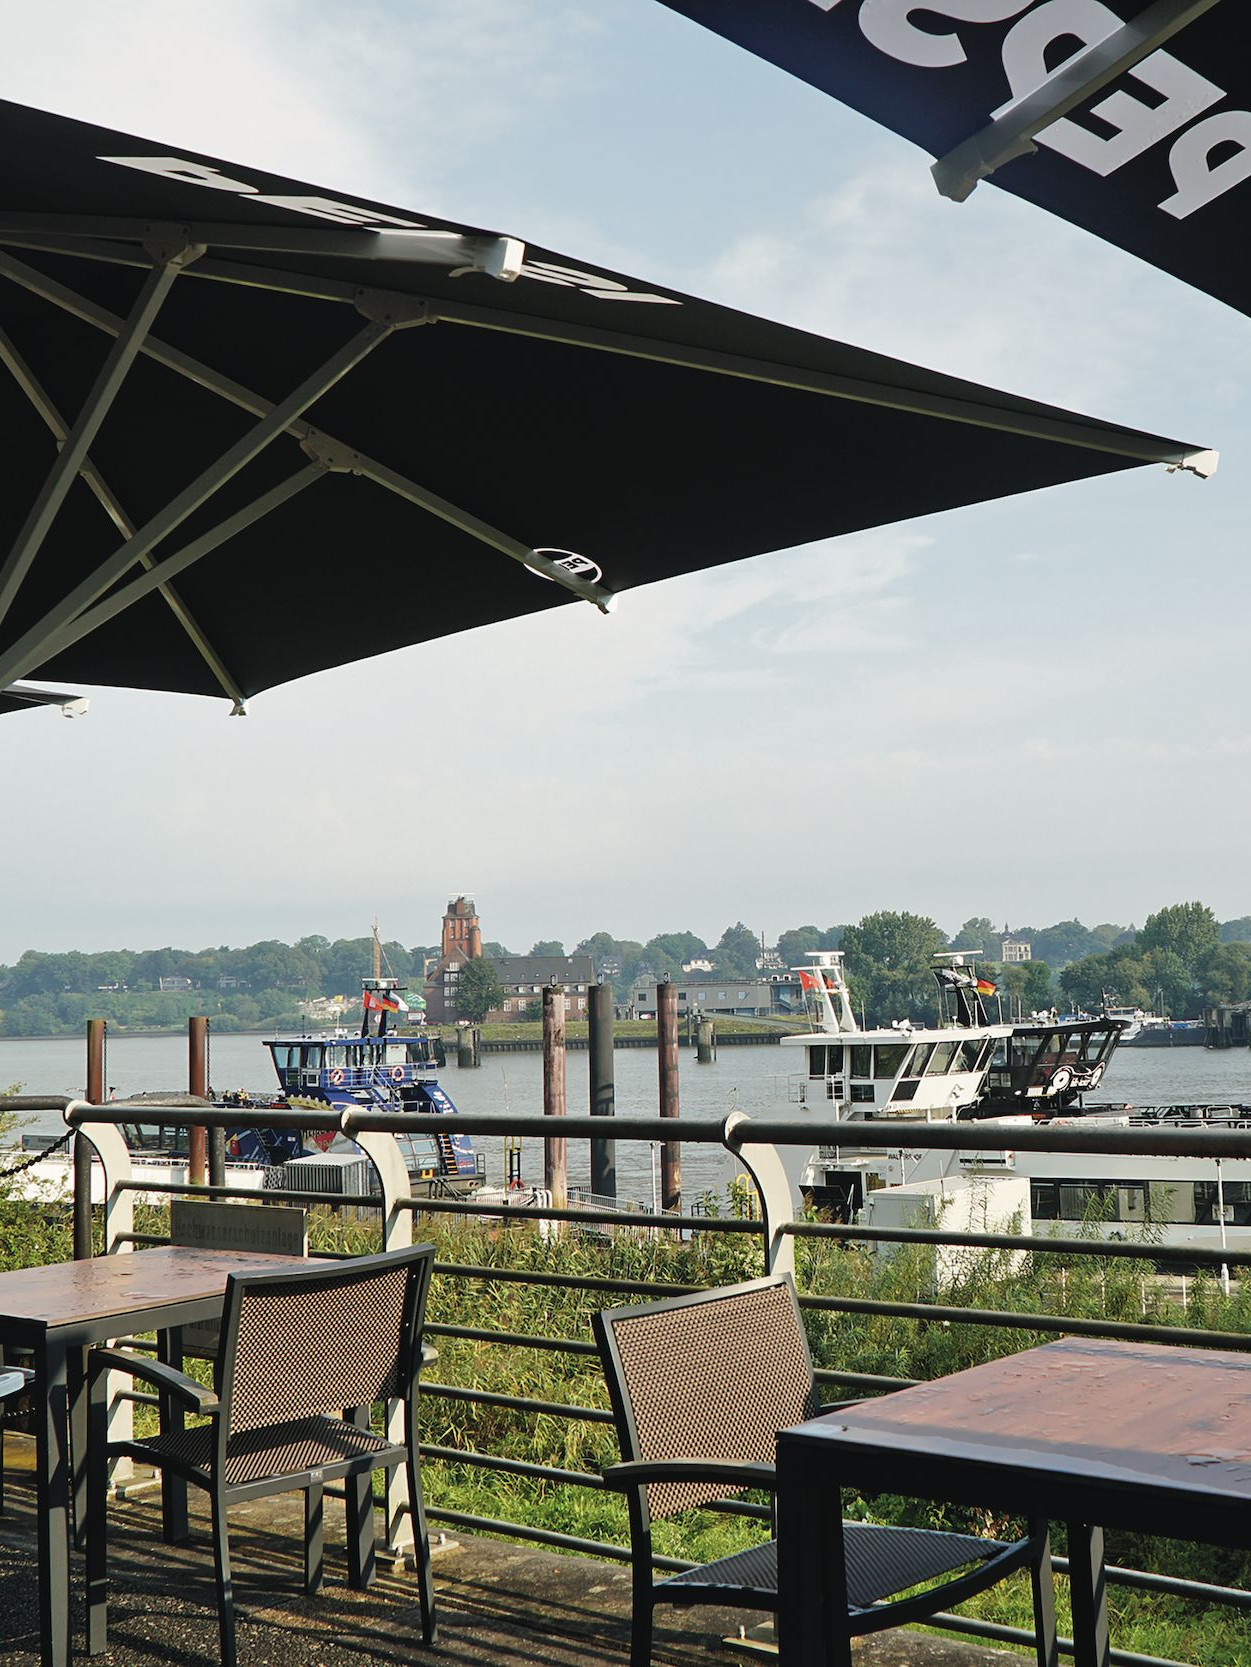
(1181, 960)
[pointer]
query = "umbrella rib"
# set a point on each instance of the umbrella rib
(1067, 431)
(1011, 134)
(65, 468)
(21, 657)
(90, 619)
(43, 403)
(493, 253)
(1109, 438)
(205, 376)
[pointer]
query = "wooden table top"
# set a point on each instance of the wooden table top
(68, 1293)
(1112, 1413)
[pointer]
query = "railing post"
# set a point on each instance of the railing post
(555, 1150)
(670, 1106)
(197, 1084)
(384, 1153)
(97, 1030)
(119, 1222)
(763, 1163)
(602, 1089)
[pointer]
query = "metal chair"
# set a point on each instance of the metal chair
(700, 1386)
(13, 1380)
(296, 1350)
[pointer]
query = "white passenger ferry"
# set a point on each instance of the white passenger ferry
(1005, 1076)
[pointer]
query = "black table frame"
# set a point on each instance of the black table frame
(816, 1460)
(59, 1351)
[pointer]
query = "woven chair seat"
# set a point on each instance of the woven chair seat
(277, 1450)
(881, 1562)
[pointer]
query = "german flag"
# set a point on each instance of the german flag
(985, 987)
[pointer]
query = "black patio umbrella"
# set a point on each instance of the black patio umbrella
(1129, 117)
(28, 697)
(255, 429)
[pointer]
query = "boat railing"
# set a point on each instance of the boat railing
(769, 1238)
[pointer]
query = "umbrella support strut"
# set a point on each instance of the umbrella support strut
(360, 464)
(45, 638)
(1012, 134)
(38, 396)
(69, 459)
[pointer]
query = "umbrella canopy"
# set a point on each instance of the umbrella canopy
(255, 428)
(1077, 105)
(25, 697)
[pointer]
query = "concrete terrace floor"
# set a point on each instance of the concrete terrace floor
(499, 1604)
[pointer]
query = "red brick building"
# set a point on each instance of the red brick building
(462, 942)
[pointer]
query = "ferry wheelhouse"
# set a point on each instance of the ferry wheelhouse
(378, 1070)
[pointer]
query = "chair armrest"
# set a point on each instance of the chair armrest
(740, 1473)
(193, 1396)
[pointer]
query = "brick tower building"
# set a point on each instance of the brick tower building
(462, 942)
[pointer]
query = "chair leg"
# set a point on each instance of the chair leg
(225, 1588)
(1043, 1583)
(358, 1493)
(97, 1515)
(421, 1552)
(641, 1612)
(314, 1560)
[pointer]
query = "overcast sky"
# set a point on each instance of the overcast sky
(1032, 710)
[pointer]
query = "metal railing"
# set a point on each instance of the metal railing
(754, 1142)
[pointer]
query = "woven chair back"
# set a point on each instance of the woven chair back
(321, 1341)
(713, 1378)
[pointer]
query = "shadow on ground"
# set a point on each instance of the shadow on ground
(499, 1605)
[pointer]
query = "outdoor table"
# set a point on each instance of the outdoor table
(1090, 1433)
(57, 1311)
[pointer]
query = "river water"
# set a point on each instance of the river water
(750, 1079)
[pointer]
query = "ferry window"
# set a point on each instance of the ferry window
(1052, 1047)
(416, 1053)
(941, 1058)
(1000, 1055)
(283, 1060)
(1131, 1202)
(920, 1059)
(1171, 1201)
(904, 1090)
(861, 1061)
(1044, 1201)
(816, 1062)
(310, 1058)
(396, 1053)
(862, 1093)
(1021, 1051)
(887, 1059)
(336, 1056)
(969, 1055)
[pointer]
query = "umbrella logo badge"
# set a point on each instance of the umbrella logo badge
(578, 567)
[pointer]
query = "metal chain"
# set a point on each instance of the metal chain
(37, 1157)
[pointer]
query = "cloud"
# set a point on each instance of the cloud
(375, 99)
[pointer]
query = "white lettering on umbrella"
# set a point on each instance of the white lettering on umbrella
(590, 283)
(1185, 94)
(1137, 126)
(1198, 182)
(887, 25)
(347, 214)
(186, 173)
(352, 214)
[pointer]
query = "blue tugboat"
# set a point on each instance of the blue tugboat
(378, 1070)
